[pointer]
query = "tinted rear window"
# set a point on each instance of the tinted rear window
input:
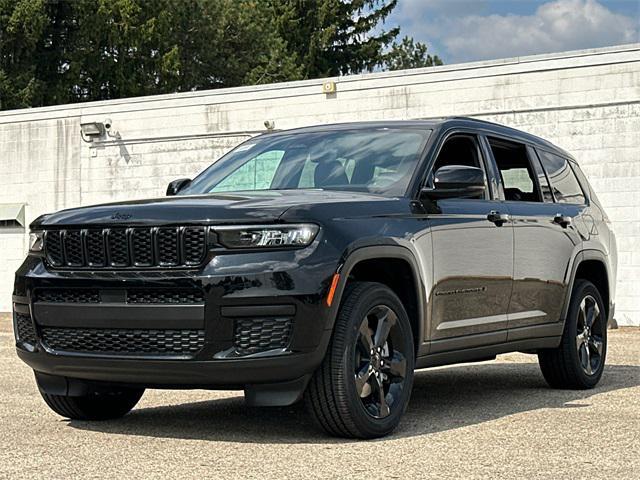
(586, 186)
(563, 180)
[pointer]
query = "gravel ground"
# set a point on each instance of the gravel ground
(486, 420)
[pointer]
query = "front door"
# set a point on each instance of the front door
(472, 259)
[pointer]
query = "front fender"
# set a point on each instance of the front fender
(350, 260)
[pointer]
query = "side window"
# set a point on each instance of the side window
(543, 181)
(563, 181)
(256, 174)
(517, 174)
(586, 186)
(459, 149)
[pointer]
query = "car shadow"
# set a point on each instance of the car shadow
(442, 399)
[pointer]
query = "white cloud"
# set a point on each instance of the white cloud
(555, 26)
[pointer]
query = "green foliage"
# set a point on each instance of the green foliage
(62, 51)
(334, 37)
(22, 26)
(409, 54)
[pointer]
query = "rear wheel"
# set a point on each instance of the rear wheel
(104, 405)
(578, 362)
(363, 386)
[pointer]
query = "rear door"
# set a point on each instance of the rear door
(545, 238)
(472, 257)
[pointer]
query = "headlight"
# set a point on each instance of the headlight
(36, 241)
(261, 236)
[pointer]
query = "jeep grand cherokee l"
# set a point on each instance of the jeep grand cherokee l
(324, 263)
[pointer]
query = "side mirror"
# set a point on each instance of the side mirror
(456, 181)
(177, 185)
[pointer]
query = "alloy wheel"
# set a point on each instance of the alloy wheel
(590, 335)
(380, 362)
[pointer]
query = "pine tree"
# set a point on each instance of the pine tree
(62, 51)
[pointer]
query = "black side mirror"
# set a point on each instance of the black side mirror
(456, 181)
(177, 185)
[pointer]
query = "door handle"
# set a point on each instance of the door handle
(563, 220)
(498, 218)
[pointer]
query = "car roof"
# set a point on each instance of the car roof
(442, 123)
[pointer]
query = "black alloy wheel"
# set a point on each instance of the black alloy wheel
(364, 383)
(380, 362)
(589, 337)
(578, 362)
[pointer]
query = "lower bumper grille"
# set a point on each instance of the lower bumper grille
(173, 296)
(25, 332)
(68, 295)
(124, 341)
(254, 335)
(165, 296)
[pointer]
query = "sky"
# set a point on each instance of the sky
(470, 30)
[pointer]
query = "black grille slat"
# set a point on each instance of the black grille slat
(142, 247)
(165, 296)
(254, 335)
(25, 330)
(118, 247)
(96, 255)
(194, 245)
(53, 247)
(68, 295)
(136, 247)
(124, 341)
(167, 242)
(73, 250)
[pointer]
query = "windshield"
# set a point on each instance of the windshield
(375, 160)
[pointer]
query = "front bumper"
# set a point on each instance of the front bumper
(219, 361)
(157, 373)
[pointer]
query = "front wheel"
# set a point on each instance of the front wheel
(363, 386)
(578, 362)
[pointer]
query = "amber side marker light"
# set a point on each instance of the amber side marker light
(332, 289)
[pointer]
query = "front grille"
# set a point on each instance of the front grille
(96, 254)
(171, 296)
(142, 241)
(194, 245)
(74, 253)
(148, 247)
(25, 331)
(167, 240)
(68, 295)
(118, 247)
(110, 341)
(53, 247)
(254, 335)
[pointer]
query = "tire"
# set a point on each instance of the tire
(96, 406)
(344, 394)
(579, 361)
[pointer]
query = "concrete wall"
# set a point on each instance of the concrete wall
(587, 102)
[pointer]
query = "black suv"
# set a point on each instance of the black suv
(324, 263)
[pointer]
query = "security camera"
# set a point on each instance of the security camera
(107, 123)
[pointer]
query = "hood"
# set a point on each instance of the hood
(255, 207)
